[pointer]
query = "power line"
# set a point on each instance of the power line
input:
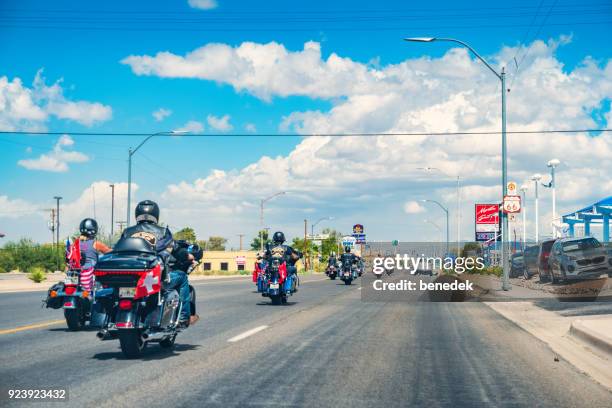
(253, 135)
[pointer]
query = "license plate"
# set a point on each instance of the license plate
(127, 292)
(274, 286)
(346, 274)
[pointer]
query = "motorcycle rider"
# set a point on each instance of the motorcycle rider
(147, 228)
(289, 255)
(90, 249)
(348, 258)
(332, 261)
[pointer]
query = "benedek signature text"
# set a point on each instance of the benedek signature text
(420, 285)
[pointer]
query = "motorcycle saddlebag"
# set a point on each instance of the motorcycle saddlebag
(55, 302)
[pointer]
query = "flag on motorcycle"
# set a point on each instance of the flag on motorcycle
(149, 283)
(73, 253)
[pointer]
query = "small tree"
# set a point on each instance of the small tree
(216, 244)
(187, 234)
(256, 243)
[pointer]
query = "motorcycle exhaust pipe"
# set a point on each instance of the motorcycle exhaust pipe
(103, 334)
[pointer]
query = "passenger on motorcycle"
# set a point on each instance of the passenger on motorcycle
(90, 249)
(147, 228)
(289, 255)
(332, 261)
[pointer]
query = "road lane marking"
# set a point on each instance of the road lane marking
(31, 326)
(246, 334)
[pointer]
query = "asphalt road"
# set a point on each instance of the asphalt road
(325, 348)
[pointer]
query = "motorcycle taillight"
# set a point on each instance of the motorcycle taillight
(70, 290)
(125, 304)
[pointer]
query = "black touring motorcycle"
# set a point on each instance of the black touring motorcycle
(140, 310)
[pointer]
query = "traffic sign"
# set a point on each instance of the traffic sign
(512, 188)
(358, 229)
(512, 204)
(394, 242)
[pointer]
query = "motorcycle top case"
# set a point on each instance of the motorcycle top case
(113, 269)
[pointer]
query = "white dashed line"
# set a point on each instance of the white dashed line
(246, 334)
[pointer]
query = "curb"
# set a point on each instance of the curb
(582, 332)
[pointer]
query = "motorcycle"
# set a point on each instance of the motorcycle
(276, 283)
(349, 272)
(78, 303)
(139, 310)
(332, 272)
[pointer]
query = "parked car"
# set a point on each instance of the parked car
(517, 265)
(530, 261)
(543, 266)
(578, 258)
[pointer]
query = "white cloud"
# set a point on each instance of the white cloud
(94, 201)
(250, 127)
(56, 160)
(161, 114)
(413, 207)
(451, 93)
(15, 208)
(203, 4)
(23, 108)
(220, 123)
(193, 126)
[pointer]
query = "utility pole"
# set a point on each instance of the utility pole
(52, 227)
(536, 178)
(307, 260)
(241, 236)
(112, 186)
(57, 229)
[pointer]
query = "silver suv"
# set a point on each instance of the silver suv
(578, 258)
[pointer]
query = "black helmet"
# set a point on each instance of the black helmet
(88, 227)
(347, 249)
(278, 237)
(147, 211)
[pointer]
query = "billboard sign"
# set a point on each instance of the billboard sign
(486, 221)
(358, 229)
(349, 241)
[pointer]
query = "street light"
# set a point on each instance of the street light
(537, 177)
(446, 211)
(458, 199)
(312, 225)
(552, 164)
(131, 152)
(261, 215)
(524, 189)
(318, 221)
(502, 77)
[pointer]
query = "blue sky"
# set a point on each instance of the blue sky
(82, 44)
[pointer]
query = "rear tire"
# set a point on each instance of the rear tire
(74, 319)
(347, 282)
(276, 299)
(132, 345)
(169, 342)
(332, 277)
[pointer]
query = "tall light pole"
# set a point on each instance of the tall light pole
(446, 211)
(502, 77)
(458, 200)
(552, 164)
(536, 178)
(312, 226)
(112, 186)
(131, 153)
(524, 189)
(261, 215)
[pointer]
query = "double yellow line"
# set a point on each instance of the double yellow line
(31, 326)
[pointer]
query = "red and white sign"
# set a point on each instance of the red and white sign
(512, 204)
(241, 260)
(487, 217)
